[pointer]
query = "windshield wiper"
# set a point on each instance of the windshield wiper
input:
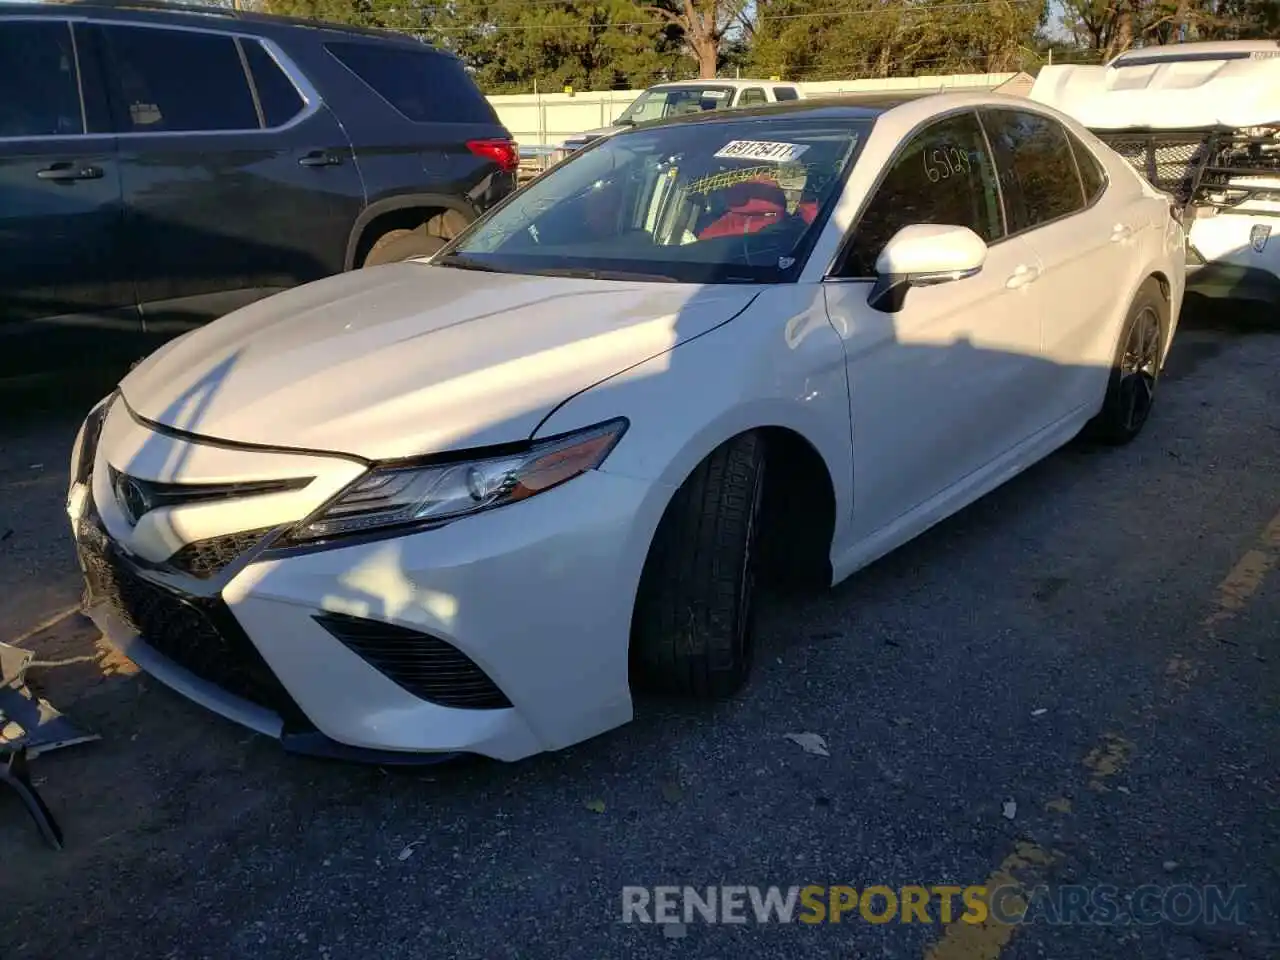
(463, 262)
(584, 273)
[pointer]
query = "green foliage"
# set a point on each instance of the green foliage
(601, 44)
(1109, 27)
(816, 40)
(409, 16)
(587, 44)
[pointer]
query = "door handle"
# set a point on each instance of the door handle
(1121, 231)
(1022, 276)
(320, 158)
(67, 171)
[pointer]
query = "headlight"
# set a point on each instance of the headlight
(395, 495)
(85, 451)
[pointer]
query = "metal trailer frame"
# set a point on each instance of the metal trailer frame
(1198, 167)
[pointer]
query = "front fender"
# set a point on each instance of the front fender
(778, 364)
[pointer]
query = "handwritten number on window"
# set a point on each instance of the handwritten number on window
(945, 162)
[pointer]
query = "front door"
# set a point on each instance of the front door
(63, 294)
(944, 387)
(237, 181)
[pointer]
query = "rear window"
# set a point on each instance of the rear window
(277, 95)
(1091, 173)
(785, 93)
(424, 86)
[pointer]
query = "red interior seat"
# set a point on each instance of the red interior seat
(753, 205)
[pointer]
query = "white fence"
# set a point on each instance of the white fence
(546, 120)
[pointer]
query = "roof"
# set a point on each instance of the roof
(1198, 50)
(841, 107)
(737, 83)
(158, 11)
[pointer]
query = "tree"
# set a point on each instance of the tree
(704, 24)
(1110, 27)
(812, 40)
(589, 44)
(410, 16)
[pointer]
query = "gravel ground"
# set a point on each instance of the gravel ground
(1075, 681)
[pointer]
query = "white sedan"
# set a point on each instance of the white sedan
(471, 504)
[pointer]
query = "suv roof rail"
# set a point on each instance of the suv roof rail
(200, 9)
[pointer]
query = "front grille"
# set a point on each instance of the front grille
(204, 558)
(426, 666)
(197, 633)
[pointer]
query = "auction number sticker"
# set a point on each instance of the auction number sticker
(770, 150)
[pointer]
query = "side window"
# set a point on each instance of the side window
(1092, 175)
(943, 175)
(279, 98)
(39, 88)
(752, 97)
(785, 93)
(1036, 166)
(168, 81)
(424, 86)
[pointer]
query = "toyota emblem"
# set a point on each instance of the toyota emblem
(131, 497)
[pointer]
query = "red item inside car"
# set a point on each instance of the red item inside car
(753, 205)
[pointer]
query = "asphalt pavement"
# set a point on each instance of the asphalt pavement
(1075, 682)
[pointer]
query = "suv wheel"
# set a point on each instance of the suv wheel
(422, 241)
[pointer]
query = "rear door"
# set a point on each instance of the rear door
(419, 124)
(63, 293)
(1083, 254)
(237, 180)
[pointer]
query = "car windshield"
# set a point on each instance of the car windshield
(721, 202)
(662, 102)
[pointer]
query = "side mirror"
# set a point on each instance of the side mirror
(924, 254)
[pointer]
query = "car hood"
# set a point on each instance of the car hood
(410, 358)
(590, 136)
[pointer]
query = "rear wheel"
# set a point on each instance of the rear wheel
(421, 241)
(692, 632)
(1135, 371)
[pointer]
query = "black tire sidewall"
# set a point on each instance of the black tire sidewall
(1109, 426)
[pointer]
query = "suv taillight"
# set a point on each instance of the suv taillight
(505, 153)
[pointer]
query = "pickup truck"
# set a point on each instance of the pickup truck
(687, 96)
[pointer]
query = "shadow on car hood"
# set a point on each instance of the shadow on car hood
(410, 359)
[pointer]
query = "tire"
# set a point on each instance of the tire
(406, 246)
(422, 241)
(693, 628)
(1135, 370)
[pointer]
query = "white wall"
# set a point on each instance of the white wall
(547, 119)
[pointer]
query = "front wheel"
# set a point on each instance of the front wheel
(1135, 371)
(693, 629)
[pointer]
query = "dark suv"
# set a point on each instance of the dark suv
(161, 166)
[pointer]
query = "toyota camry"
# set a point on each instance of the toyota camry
(470, 504)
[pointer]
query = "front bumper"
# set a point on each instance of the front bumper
(531, 602)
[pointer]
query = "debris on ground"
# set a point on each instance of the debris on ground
(29, 726)
(809, 743)
(595, 806)
(1010, 809)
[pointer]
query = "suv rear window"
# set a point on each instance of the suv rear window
(423, 86)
